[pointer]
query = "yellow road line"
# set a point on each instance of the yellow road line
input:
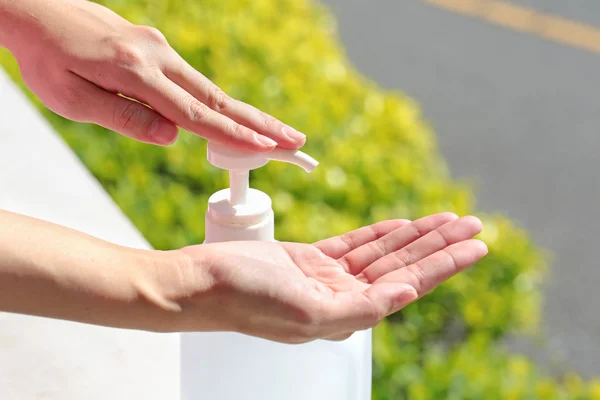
(524, 19)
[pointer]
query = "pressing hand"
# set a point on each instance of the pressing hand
(81, 59)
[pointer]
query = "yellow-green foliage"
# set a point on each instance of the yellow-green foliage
(379, 160)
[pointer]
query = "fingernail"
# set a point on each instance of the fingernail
(265, 141)
(162, 132)
(294, 134)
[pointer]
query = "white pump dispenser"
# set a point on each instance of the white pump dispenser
(232, 366)
(241, 213)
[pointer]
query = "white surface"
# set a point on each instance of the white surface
(48, 359)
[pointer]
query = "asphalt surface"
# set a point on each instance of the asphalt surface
(520, 116)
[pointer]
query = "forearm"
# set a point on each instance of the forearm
(51, 271)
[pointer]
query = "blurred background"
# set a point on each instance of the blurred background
(510, 92)
(413, 107)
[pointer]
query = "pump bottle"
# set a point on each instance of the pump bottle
(232, 366)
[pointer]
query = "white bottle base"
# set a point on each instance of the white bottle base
(227, 366)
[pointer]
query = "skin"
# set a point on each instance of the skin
(83, 60)
(286, 292)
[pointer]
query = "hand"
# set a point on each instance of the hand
(287, 292)
(78, 56)
(294, 293)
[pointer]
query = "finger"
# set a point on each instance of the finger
(189, 113)
(337, 246)
(339, 337)
(438, 239)
(187, 77)
(369, 251)
(435, 269)
(90, 103)
(354, 311)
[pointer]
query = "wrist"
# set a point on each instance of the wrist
(15, 21)
(178, 289)
(9, 22)
(23, 23)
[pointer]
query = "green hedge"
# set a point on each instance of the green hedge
(379, 160)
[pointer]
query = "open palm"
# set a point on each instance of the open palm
(294, 292)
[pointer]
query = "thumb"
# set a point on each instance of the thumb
(389, 298)
(352, 311)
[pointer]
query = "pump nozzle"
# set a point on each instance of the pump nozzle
(239, 164)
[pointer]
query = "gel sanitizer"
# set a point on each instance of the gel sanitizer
(233, 366)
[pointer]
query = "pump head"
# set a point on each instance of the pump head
(239, 165)
(241, 213)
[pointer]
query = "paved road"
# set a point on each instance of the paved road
(520, 115)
